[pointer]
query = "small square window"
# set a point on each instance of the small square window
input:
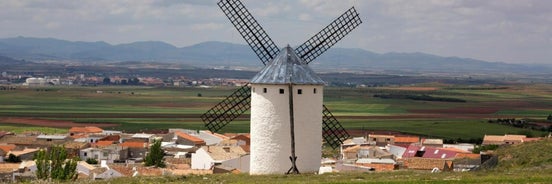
(314, 90)
(299, 91)
(264, 90)
(281, 91)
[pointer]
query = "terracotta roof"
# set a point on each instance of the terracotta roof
(134, 144)
(7, 147)
(455, 150)
(224, 152)
(353, 149)
(189, 137)
(8, 167)
(18, 140)
(531, 139)
(380, 136)
(432, 141)
(468, 155)
(22, 152)
(111, 138)
(493, 138)
(514, 137)
(407, 139)
(87, 129)
(76, 145)
(103, 143)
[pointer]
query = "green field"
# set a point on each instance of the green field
(140, 109)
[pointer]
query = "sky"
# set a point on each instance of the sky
(511, 31)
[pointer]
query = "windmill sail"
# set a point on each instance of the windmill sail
(250, 30)
(228, 109)
(333, 132)
(328, 36)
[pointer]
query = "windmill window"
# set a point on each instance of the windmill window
(281, 91)
(314, 90)
(264, 90)
(299, 91)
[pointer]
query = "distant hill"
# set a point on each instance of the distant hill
(228, 54)
(7, 61)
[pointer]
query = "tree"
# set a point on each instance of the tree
(133, 81)
(53, 164)
(549, 118)
(106, 81)
(13, 159)
(155, 155)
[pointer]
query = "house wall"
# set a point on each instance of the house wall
(270, 128)
(110, 155)
(241, 163)
(201, 160)
(380, 167)
(180, 140)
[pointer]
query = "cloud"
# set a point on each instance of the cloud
(206, 26)
(496, 30)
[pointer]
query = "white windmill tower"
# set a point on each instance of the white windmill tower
(286, 93)
(288, 119)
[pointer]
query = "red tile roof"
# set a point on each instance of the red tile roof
(407, 139)
(6, 148)
(134, 144)
(468, 155)
(189, 137)
(87, 129)
(103, 143)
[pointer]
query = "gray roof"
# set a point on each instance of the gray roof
(287, 68)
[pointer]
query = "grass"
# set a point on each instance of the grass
(21, 129)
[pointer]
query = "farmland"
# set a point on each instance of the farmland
(143, 109)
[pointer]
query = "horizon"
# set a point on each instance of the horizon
(496, 31)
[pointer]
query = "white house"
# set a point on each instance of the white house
(230, 156)
(110, 153)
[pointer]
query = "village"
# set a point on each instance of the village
(106, 154)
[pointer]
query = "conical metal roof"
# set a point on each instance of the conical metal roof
(287, 68)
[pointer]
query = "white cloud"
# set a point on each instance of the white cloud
(206, 26)
(497, 30)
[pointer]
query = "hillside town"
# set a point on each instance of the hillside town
(38, 80)
(106, 154)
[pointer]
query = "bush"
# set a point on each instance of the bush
(13, 159)
(91, 161)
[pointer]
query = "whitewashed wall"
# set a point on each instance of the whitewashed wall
(270, 129)
(201, 160)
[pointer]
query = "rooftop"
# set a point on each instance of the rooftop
(287, 68)
(189, 137)
(87, 129)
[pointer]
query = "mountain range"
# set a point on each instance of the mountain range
(228, 54)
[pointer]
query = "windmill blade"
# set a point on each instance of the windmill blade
(334, 134)
(250, 29)
(328, 36)
(228, 109)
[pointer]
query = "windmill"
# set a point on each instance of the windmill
(279, 118)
